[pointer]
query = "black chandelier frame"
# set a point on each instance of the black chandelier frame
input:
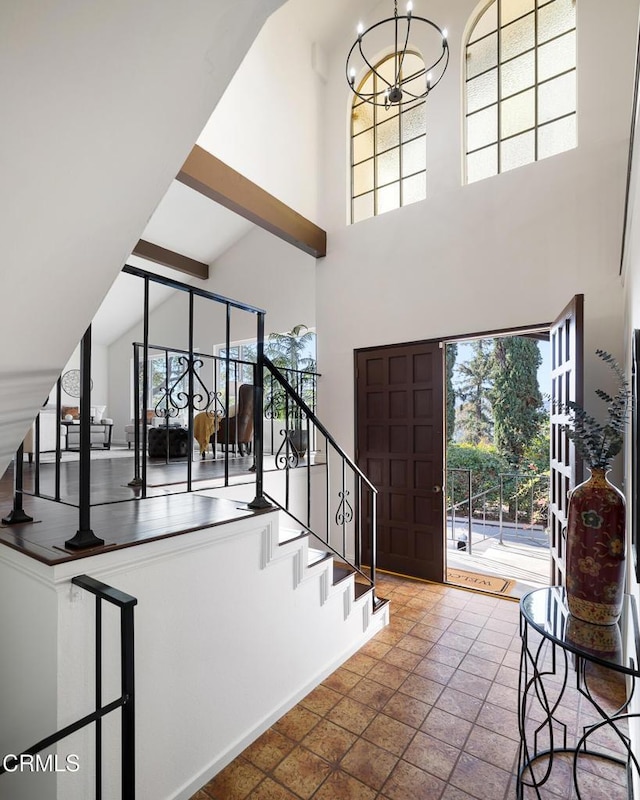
(394, 94)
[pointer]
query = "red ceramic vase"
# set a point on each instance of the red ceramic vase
(596, 550)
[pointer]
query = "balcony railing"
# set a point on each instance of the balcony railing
(517, 503)
(126, 701)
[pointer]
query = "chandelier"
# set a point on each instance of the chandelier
(405, 86)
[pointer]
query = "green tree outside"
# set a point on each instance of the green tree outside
(475, 419)
(515, 397)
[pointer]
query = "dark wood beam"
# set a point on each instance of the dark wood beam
(211, 177)
(169, 258)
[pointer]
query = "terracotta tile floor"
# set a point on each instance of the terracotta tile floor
(424, 711)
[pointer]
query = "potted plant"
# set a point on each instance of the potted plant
(289, 352)
(596, 516)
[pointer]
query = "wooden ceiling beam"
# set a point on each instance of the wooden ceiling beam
(211, 177)
(169, 258)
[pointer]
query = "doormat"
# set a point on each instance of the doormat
(475, 580)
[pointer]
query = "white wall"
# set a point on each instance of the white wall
(267, 124)
(28, 663)
(208, 681)
(103, 105)
(631, 277)
(508, 251)
(260, 270)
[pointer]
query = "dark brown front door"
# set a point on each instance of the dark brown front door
(566, 384)
(399, 446)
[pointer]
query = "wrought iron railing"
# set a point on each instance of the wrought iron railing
(126, 701)
(319, 486)
(517, 503)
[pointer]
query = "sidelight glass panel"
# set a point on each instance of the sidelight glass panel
(557, 56)
(482, 55)
(556, 137)
(517, 37)
(379, 167)
(387, 134)
(363, 207)
(363, 146)
(414, 156)
(512, 9)
(388, 166)
(413, 65)
(482, 164)
(517, 113)
(363, 177)
(387, 72)
(414, 122)
(388, 198)
(482, 128)
(518, 151)
(556, 18)
(482, 91)
(518, 74)
(362, 117)
(487, 23)
(557, 97)
(414, 189)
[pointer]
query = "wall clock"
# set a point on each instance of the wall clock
(71, 382)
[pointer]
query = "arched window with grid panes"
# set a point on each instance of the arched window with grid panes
(388, 146)
(520, 84)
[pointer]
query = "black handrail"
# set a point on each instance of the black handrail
(312, 417)
(336, 552)
(289, 457)
(126, 701)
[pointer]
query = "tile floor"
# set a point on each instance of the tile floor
(424, 711)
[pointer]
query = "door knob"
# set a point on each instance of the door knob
(437, 489)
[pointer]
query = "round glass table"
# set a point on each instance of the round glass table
(576, 685)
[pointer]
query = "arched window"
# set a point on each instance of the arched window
(388, 146)
(520, 85)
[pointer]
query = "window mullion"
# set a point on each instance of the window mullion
(499, 87)
(535, 78)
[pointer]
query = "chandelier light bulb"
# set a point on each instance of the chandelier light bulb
(360, 30)
(352, 75)
(445, 34)
(409, 8)
(429, 79)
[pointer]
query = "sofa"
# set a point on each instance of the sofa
(69, 426)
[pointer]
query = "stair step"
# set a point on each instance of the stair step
(379, 604)
(290, 535)
(317, 556)
(341, 571)
(360, 589)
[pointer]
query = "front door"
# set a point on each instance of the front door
(567, 355)
(399, 446)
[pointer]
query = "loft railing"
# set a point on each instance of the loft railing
(517, 503)
(85, 537)
(126, 701)
(318, 485)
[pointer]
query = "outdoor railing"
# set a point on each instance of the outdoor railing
(126, 701)
(517, 502)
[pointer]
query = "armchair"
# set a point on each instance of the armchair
(240, 425)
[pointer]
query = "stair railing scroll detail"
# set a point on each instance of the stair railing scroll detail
(174, 399)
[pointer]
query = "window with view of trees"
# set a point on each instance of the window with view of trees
(388, 146)
(520, 85)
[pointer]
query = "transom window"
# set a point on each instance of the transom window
(520, 85)
(388, 146)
